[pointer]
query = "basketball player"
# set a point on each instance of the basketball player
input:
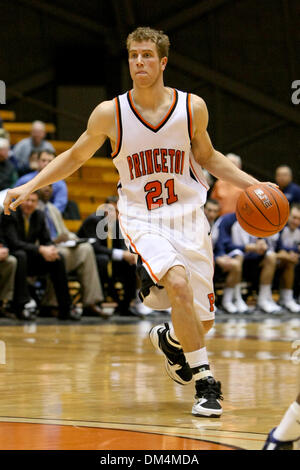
(159, 140)
(288, 430)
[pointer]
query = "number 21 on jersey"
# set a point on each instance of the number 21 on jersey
(154, 190)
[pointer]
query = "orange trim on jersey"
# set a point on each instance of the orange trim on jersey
(119, 128)
(190, 115)
(135, 249)
(163, 120)
(199, 180)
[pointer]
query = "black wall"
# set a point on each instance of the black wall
(255, 43)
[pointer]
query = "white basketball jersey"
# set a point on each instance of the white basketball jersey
(158, 172)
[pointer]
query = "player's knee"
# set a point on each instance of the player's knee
(178, 288)
(207, 325)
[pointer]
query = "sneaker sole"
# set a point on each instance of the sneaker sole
(208, 413)
(153, 335)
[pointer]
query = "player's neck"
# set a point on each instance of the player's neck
(152, 97)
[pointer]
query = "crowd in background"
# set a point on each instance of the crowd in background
(39, 256)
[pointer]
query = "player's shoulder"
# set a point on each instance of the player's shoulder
(105, 108)
(198, 102)
(200, 113)
(102, 117)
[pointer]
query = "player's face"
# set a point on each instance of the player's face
(145, 66)
(294, 219)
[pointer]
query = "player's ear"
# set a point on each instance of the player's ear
(164, 62)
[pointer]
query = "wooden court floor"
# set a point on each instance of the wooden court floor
(102, 386)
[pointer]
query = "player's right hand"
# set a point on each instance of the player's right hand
(14, 197)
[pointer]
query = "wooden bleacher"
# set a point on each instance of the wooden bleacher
(7, 115)
(92, 183)
(20, 130)
(89, 186)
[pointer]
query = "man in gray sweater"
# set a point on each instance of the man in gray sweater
(36, 142)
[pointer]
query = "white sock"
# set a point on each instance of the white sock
(289, 427)
(286, 294)
(238, 292)
(228, 294)
(172, 338)
(198, 362)
(265, 292)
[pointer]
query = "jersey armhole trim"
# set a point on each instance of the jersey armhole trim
(118, 128)
(189, 115)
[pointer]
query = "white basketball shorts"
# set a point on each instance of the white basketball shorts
(160, 248)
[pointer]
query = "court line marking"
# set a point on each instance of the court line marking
(192, 438)
(156, 429)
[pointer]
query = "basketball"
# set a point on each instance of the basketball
(262, 210)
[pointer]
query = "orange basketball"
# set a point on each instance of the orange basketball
(262, 210)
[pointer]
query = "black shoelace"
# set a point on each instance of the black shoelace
(209, 390)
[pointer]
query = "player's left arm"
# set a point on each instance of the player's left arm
(209, 158)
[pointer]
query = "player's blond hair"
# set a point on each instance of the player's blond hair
(145, 33)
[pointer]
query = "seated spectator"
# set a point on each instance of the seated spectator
(36, 142)
(8, 266)
(60, 191)
(231, 266)
(72, 211)
(115, 262)
(33, 160)
(27, 236)
(15, 291)
(79, 258)
(284, 179)
(288, 254)
(8, 174)
(226, 193)
(254, 254)
(212, 211)
(5, 135)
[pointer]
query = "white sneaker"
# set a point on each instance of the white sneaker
(229, 307)
(208, 397)
(175, 362)
(241, 306)
(268, 306)
(291, 305)
(31, 305)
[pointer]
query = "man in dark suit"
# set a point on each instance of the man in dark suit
(116, 265)
(28, 239)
